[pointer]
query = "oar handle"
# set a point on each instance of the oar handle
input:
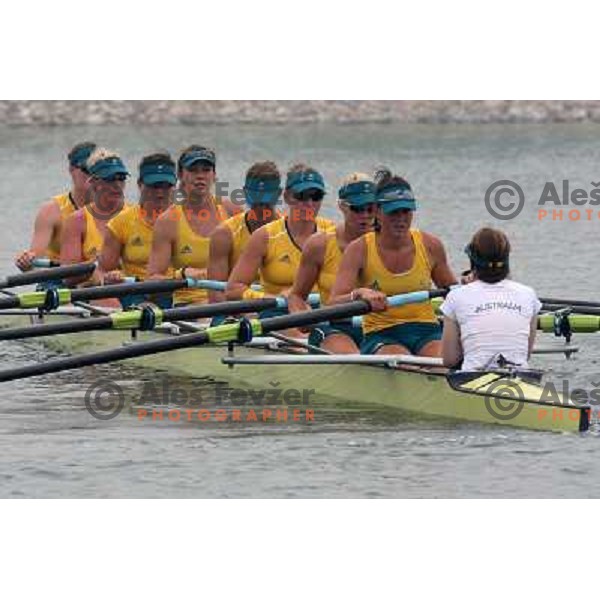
(44, 263)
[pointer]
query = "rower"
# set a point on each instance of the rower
(492, 321)
(182, 232)
(321, 258)
(128, 239)
(84, 230)
(45, 241)
(274, 251)
(394, 260)
(262, 190)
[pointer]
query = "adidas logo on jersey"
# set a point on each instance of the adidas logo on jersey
(186, 250)
(137, 241)
(375, 286)
(285, 259)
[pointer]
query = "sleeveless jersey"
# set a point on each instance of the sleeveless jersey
(376, 276)
(283, 256)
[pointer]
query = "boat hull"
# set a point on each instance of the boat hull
(412, 390)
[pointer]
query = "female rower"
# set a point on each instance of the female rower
(262, 190)
(128, 239)
(493, 320)
(51, 216)
(274, 251)
(395, 260)
(182, 232)
(85, 229)
(321, 258)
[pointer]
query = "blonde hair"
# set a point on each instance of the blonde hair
(100, 154)
(355, 177)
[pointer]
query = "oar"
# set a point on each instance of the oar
(51, 274)
(50, 299)
(241, 331)
(144, 318)
(573, 303)
(579, 309)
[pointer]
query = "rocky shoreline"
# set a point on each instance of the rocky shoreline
(34, 112)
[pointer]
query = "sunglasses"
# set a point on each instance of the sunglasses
(161, 185)
(310, 196)
(365, 208)
(116, 177)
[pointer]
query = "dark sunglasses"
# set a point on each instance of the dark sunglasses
(310, 196)
(116, 177)
(365, 208)
(161, 185)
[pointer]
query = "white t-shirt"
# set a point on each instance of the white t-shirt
(493, 318)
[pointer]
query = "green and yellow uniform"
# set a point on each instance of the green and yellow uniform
(67, 208)
(412, 325)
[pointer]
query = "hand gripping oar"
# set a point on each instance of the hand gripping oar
(241, 332)
(51, 274)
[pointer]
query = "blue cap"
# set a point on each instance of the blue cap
(396, 197)
(189, 159)
(301, 181)
(79, 157)
(108, 168)
(163, 172)
(262, 191)
(358, 193)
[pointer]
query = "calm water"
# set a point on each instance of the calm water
(51, 447)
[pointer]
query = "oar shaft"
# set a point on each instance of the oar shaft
(51, 274)
(572, 303)
(132, 319)
(107, 356)
(579, 309)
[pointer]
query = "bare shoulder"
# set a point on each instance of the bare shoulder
(432, 242)
(166, 222)
(221, 235)
(356, 247)
(314, 248)
(49, 210)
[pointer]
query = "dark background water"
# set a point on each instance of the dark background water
(51, 446)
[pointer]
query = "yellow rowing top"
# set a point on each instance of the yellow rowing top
(376, 276)
(240, 236)
(330, 268)
(135, 236)
(283, 256)
(67, 207)
(192, 249)
(92, 242)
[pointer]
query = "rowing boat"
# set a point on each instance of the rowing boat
(269, 363)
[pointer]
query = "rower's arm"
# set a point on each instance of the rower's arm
(163, 240)
(313, 255)
(441, 273)
(46, 221)
(71, 243)
(219, 265)
(248, 266)
(451, 343)
(110, 257)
